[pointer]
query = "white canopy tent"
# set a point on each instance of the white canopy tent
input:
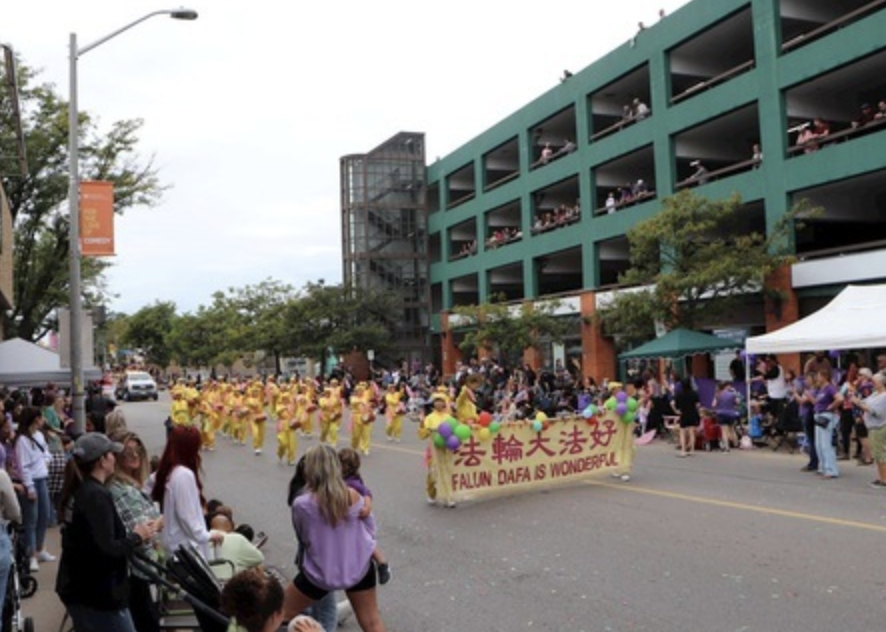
(854, 319)
(23, 363)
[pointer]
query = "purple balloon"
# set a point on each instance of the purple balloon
(742, 354)
(445, 430)
(621, 396)
(621, 408)
(834, 354)
(453, 442)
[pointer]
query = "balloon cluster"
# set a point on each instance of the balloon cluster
(622, 405)
(540, 422)
(451, 433)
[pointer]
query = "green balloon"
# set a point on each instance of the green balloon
(632, 404)
(439, 441)
(628, 417)
(494, 427)
(463, 432)
(611, 403)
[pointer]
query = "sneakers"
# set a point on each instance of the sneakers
(451, 504)
(625, 477)
(257, 451)
(35, 565)
(431, 501)
(45, 556)
(877, 484)
(384, 573)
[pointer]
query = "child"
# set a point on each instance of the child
(350, 471)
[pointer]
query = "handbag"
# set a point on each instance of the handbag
(821, 420)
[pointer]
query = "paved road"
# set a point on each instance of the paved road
(743, 541)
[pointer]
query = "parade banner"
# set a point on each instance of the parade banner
(521, 455)
(96, 218)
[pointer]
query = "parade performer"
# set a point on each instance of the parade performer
(287, 442)
(272, 394)
(209, 416)
(395, 410)
(310, 392)
(439, 481)
(362, 416)
(180, 413)
(624, 439)
(466, 402)
(223, 406)
(256, 415)
(239, 415)
(330, 416)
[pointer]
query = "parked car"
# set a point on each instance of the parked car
(136, 385)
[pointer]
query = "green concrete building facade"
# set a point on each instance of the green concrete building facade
(720, 96)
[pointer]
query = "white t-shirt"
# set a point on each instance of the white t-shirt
(183, 520)
(777, 388)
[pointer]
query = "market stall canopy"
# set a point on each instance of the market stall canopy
(678, 343)
(23, 363)
(854, 319)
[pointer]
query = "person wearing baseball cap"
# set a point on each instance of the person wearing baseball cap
(93, 574)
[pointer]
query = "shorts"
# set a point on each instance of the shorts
(311, 590)
(861, 431)
(726, 420)
(878, 443)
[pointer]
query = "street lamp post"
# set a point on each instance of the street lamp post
(76, 306)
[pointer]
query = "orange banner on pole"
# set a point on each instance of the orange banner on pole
(96, 218)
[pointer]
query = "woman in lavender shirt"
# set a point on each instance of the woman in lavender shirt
(335, 543)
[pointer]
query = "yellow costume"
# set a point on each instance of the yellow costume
(209, 416)
(362, 417)
(287, 442)
(239, 416)
(307, 427)
(439, 481)
(395, 410)
(272, 396)
(180, 413)
(330, 416)
(465, 408)
(256, 415)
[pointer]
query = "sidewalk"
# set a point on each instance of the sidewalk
(44, 607)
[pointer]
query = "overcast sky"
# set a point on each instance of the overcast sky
(248, 109)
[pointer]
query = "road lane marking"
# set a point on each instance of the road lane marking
(743, 507)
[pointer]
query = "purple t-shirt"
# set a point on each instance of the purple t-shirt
(824, 397)
(333, 558)
(726, 402)
(356, 483)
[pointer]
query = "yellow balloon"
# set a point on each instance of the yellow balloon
(484, 434)
(540, 416)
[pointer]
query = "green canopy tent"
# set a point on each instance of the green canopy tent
(679, 343)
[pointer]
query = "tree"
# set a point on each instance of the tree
(695, 260)
(148, 329)
(38, 201)
(336, 318)
(510, 328)
(256, 318)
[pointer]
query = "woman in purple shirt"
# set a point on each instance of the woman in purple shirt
(336, 543)
(824, 410)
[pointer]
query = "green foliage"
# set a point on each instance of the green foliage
(509, 328)
(699, 260)
(340, 319)
(38, 202)
(148, 330)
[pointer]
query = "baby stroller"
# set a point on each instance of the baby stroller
(21, 585)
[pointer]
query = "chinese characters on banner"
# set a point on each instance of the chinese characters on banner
(96, 218)
(518, 457)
